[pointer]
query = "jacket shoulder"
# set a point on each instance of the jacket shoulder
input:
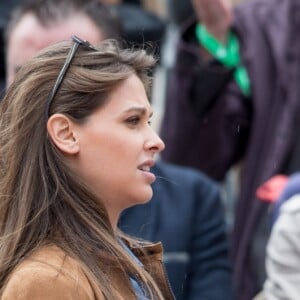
(48, 274)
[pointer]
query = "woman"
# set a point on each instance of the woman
(70, 163)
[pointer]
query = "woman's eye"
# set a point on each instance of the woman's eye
(133, 120)
(136, 120)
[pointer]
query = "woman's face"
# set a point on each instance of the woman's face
(117, 148)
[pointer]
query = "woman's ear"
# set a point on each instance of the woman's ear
(61, 130)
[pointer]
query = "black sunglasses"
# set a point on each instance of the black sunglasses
(77, 42)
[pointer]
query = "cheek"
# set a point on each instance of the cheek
(122, 145)
(110, 150)
(111, 169)
(122, 154)
(113, 153)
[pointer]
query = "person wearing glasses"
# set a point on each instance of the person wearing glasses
(76, 150)
(185, 203)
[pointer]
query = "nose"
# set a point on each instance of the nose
(154, 143)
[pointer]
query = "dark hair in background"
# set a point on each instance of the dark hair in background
(5, 9)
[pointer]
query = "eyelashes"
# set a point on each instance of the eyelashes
(136, 121)
(133, 120)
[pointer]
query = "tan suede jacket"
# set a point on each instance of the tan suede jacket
(50, 274)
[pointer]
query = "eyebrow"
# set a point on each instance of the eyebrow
(140, 110)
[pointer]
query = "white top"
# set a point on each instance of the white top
(283, 254)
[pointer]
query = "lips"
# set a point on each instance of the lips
(146, 166)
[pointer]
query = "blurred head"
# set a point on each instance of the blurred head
(68, 171)
(35, 24)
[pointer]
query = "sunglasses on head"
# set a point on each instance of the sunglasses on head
(77, 42)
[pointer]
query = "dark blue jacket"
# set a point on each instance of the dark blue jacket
(186, 215)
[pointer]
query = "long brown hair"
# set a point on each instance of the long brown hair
(42, 200)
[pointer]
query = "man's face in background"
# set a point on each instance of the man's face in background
(29, 37)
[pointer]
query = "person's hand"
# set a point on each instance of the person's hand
(215, 15)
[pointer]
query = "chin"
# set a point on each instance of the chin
(143, 197)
